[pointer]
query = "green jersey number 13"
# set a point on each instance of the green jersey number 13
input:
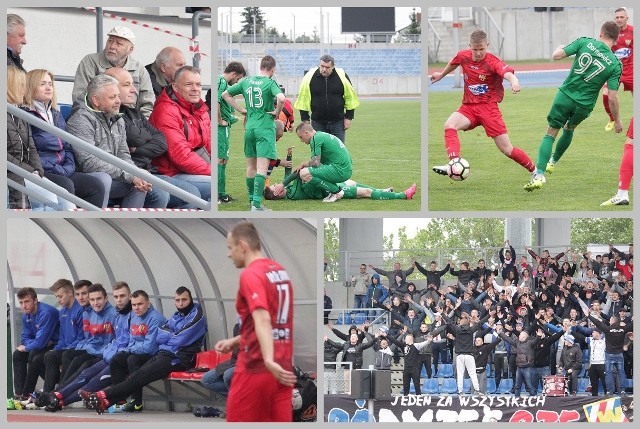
(254, 96)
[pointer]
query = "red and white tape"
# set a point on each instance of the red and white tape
(194, 44)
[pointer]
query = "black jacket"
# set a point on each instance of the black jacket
(463, 342)
(613, 334)
(327, 99)
(144, 140)
(433, 277)
(21, 151)
(524, 350)
(353, 352)
(464, 275)
(571, 357)
(14, 60)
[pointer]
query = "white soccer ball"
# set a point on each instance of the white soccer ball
(458, 169)
(296, 400)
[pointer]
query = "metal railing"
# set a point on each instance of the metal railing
(48, 185)
(195, 32)
(342, 261)
(433, 46)
(99, 153)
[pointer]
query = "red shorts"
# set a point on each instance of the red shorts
(630, 129)
(258, 397)
(486, 114)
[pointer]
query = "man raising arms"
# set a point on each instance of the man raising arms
(263, 379)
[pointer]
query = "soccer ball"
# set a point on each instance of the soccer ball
(458, 169)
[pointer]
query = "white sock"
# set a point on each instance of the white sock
(622, 194)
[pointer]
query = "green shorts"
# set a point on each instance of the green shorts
(223, 142)
(565, 111)
(260, 143)
(330, 173)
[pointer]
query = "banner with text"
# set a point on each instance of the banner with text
(498, 408)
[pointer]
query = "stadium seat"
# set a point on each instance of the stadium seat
(430, 386)
(65, 110)
(340, 320)
(506, 384)
(423, 372)
(491, 385)
(449, 386)
(445, 370)
(412, 388)
(466, 385)
(582, 385)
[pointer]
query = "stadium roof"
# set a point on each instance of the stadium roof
(158, 256)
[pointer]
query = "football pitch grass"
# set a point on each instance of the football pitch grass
(586, 175)
(384, 143)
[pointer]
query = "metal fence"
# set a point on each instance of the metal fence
(337, 381)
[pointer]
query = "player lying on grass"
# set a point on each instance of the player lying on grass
(293, 188)
(483, 75)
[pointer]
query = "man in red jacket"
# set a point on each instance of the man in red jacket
(183, 117)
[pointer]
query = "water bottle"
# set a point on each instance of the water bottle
(115, 408)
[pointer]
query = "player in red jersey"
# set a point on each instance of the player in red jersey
(623, 48)
(483, 74)
(626, 173)
(263, 379)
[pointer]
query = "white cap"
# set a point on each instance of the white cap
(123, 32)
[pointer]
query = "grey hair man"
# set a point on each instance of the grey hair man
(97, 120)
(16, 39)
(162, 71)
(116, 53)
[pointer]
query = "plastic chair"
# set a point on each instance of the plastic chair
(449, 386)
(445, 370)
(491, 385)
(65, 110)
(430, 386)
(506, 384)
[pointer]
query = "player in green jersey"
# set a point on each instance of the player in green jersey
(260, 93)
(330, 162)
(231, 75)
(293, 188)
(594, 65)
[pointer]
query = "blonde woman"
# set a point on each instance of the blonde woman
(20, 148)
(56, 155)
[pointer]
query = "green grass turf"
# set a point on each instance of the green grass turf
(586, 176)
(384, 143)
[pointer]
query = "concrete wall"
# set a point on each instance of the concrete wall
(58, 38)
(528, 34)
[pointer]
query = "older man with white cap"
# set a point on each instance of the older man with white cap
(116, 53)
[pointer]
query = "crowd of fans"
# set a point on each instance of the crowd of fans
(152, 117)
(566, 315)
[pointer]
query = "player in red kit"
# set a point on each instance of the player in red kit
(263, 379)
(483, 74)
(623, 48)
(626, 173)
